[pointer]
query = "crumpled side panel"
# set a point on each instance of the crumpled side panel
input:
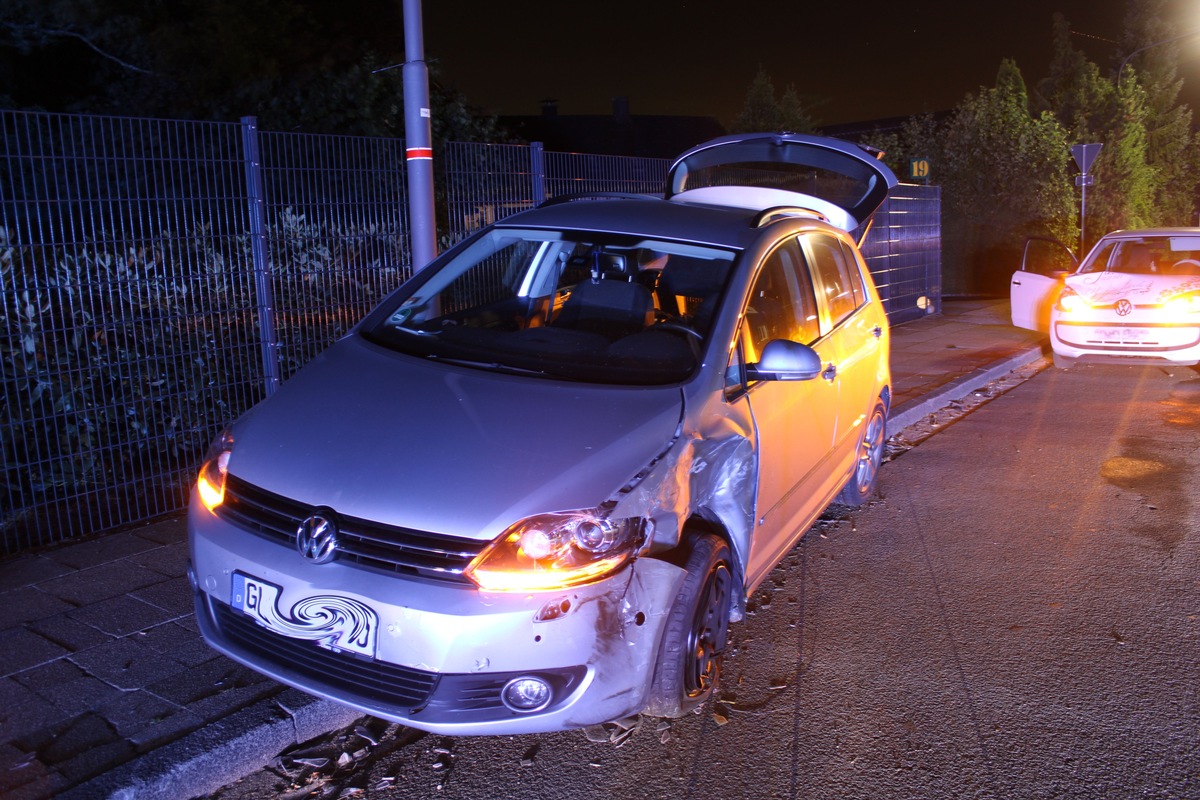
(713, 476)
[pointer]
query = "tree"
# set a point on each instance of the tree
(317, 67)
(1074, 90)
(919, 137)
(1172, 150)
(1149, 167)
(1004, 157)
(763, 112)
(1005, 176)
(795, 117)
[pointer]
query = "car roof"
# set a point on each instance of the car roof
(648, 217)
(1140, 232)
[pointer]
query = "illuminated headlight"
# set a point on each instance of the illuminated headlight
(552, 551)
(211, 483)
(1069, 300)
(1184, 304)
(526, 694)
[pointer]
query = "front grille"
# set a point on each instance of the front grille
(344, 673)
(387, 547)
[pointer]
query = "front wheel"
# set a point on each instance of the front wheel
(689, 659)
(1063, 362)
(865, 477)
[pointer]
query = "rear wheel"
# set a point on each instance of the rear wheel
(865, 477)
(689, 659)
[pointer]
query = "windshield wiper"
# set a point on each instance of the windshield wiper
(414, 331)
(494, 366)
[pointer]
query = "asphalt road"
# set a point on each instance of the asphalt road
(1018, 616)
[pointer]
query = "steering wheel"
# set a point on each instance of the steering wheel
(694, 337)
(1189, 262)
(679, 327)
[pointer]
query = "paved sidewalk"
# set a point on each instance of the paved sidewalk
(106, 689)
(946, 356)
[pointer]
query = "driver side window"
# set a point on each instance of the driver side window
(781, 305)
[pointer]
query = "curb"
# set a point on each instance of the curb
(221, 752)
(909, 412)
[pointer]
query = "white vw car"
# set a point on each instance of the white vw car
(1135, 299)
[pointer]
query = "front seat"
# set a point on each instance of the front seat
(608, 303)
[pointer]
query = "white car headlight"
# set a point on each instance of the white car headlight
(1069, 300)
(1184, 304)
(552, 551)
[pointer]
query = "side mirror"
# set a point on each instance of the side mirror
(784, 360)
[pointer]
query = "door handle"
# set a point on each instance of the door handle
(878, 331)
(830, 372)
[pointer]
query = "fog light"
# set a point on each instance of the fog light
(526, 694)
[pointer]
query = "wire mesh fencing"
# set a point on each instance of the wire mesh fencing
(488, 182)
(158, 278)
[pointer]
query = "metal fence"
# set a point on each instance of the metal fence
(159, 277)
(487, 182)
(903, 250)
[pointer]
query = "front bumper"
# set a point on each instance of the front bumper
(1139, 339)
(442, 651)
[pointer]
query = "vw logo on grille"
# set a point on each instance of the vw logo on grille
(316, 539)
(1124, 307)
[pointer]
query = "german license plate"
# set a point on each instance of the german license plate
(1120, 334)
(331, 621)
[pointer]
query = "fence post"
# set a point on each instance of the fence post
(258, 249)
(933, 274)
(537, 172)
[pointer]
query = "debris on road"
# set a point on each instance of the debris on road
(616, 732)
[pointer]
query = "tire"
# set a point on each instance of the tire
(1063, 362)
(861, 486)
(689, 658)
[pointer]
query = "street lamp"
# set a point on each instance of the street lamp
(1121, 69)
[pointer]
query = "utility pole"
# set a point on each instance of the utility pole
(418, 141)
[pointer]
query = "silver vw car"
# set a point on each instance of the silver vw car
(531, 490)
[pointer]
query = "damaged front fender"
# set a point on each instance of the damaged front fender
(704, 475)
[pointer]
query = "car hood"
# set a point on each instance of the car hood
(397, 440)
(1102, 288)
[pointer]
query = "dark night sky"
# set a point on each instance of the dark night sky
(697, 57)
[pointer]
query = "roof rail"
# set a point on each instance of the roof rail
(569, 198)
(775, 212)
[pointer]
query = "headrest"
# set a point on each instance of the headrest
(694, 277)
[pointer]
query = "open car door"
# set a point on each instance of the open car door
(1035, 286)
